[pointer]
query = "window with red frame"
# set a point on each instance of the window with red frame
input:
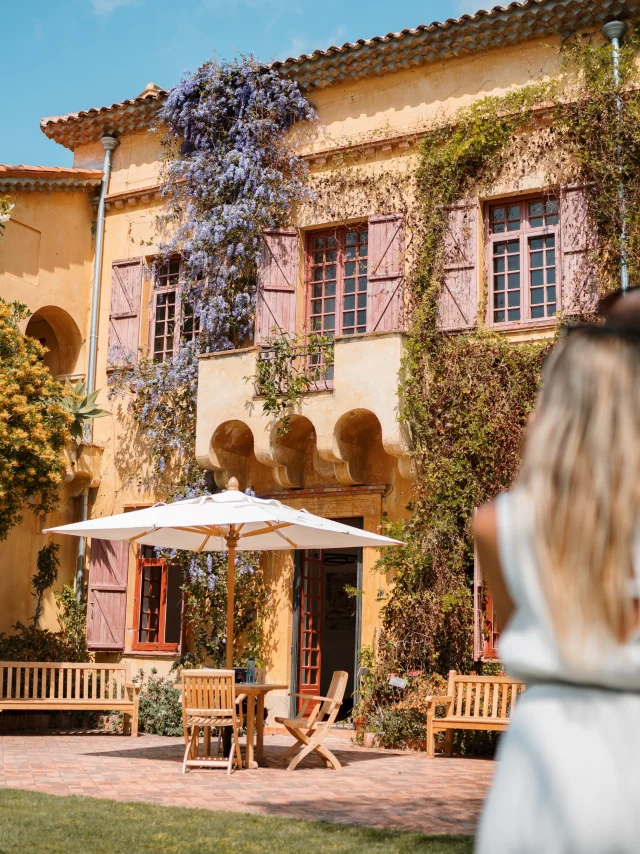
(173, 319)
(523, 253)
(337, 281)
(157, 621)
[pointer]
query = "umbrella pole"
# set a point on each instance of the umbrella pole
(232, 541)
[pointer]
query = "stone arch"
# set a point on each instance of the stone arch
(57, 330)
(230, 451)
(288, 449)
(355, 432)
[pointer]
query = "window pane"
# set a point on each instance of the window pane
(506, 255)
(150, 603)
(542, 270)
(173, 614)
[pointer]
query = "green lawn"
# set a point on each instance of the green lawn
(32, 821)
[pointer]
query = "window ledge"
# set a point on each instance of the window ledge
(517, 325)
(149, 653)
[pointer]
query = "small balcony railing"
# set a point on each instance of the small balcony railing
(306, 367)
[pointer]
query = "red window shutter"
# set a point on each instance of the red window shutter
(458, 303)
(107, 600)
(578, 238)
(124, 316)
(386, 273)
(277, 280)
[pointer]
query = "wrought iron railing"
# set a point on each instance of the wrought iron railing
(308, 367)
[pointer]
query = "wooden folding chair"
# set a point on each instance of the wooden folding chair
(209, 700)
(310, 728)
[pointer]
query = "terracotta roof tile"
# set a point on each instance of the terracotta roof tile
(23, 171)
(47, 178)
(502, 26)
(128, 116)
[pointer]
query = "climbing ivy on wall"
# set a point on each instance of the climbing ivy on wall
(466, 397)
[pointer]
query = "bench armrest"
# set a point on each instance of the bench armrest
(240, 698)
(312, 697)
(135, 689)
(433, 701)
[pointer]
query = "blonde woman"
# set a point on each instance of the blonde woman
(561, 554)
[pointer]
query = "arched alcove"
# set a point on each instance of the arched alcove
(58, 332)
(230, 450)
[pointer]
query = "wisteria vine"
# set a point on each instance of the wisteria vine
(228, 176)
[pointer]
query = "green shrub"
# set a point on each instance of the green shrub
(72, 618)
(30, 643)
(160, 710)
(399, 728)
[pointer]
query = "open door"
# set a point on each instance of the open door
(328, 621)
(312, 572)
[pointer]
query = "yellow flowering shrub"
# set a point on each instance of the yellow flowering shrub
(34, 423)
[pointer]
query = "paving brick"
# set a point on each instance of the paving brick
(378, 788)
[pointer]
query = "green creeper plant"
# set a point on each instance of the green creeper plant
(47, 564)
(288, 367)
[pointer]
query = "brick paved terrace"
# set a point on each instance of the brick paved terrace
(378, 788)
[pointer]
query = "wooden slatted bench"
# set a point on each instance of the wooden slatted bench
(49, 686)
(472, 702)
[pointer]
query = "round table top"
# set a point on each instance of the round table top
(258, 687)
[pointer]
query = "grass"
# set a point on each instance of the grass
(33, 821)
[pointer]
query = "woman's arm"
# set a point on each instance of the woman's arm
(485, 529)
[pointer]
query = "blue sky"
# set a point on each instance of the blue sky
(60, 56)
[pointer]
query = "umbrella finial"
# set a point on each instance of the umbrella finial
(233, 483)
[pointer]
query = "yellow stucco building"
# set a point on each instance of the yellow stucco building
(338, 268)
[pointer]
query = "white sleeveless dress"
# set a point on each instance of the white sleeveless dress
(568, 773)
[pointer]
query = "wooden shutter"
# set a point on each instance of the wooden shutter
(478, 609)
(458, 303)
(124, 316)
(107, 601)
(386, 273)
(277, 278)
(577, 240)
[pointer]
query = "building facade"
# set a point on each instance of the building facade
(338, 269)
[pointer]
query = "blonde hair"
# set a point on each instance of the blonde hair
(581, 468)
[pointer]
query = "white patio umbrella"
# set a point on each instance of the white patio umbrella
(227, 521)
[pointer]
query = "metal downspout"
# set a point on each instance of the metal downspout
(109, 143)
(614, 32)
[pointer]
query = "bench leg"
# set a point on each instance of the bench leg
(448, 742)
(430, 737)
(134, 722)
(126, 727)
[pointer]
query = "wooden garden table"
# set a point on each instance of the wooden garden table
(256, 692)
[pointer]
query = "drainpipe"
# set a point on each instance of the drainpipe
(614, 32)
(109, 143)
